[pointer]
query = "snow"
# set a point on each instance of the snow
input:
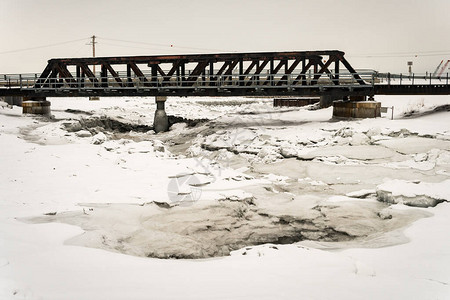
(310, 165)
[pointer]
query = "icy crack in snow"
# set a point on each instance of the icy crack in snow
(216, 229)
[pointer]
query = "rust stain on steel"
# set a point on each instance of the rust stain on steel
(209, 74)
(158, 59)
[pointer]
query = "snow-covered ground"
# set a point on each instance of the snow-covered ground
(274, 203)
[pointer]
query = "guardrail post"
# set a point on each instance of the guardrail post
(401, 77)
(389, 78)
(430, 78)
(20, 78)
(413, 79)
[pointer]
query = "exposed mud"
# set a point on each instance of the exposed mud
(188, 122)
(417, 113)
(78, 112)
(104, 123)
(203, 231)
(108, 124)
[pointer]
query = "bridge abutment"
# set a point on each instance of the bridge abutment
(36, 106)
(161, 121)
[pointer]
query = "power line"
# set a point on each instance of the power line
(40, 47)
(402, 54)
(134, 47)
(164, 45)
(409, 52)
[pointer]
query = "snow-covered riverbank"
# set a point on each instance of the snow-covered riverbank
(287, 201)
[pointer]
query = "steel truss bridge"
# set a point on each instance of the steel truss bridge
(307, 73)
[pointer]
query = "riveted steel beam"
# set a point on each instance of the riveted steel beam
(186, 70)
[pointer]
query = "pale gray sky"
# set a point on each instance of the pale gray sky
(376, 34)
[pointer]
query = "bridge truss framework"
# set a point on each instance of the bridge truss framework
(304, 73)
(269, 73)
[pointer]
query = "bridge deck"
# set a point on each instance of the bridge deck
(307, 73)
(225, 85)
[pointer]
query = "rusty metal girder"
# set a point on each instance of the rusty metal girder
(160, 59)
(200, 65)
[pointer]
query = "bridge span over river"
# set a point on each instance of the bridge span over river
(305, 73)
(326, 74)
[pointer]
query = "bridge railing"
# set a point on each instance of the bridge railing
(206, 81)
(412, 79)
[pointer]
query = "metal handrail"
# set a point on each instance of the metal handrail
(29, 80)
(262, 80)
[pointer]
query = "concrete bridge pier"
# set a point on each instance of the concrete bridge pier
(161, 121)
(356, 109)
(36, 106)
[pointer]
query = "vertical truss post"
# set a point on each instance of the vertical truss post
(104, 76)
(286, 71)
(60, 80)
(241, 72)
(304, 72)
(183, 72)
(154, 78)
(271, 72)
(211, 73)
(336, 72)
(129, 80)
(203, 83)
(83, 75)
(178, 74)
(257, 73)
(78, 79)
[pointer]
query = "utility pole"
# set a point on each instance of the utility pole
(93, 42)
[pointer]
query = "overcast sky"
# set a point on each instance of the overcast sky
(376, 34)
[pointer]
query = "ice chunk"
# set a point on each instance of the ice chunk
(99, 138)
(421, 194)
(83, 133)
(361, 193)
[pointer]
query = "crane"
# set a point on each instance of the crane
(441, 68)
